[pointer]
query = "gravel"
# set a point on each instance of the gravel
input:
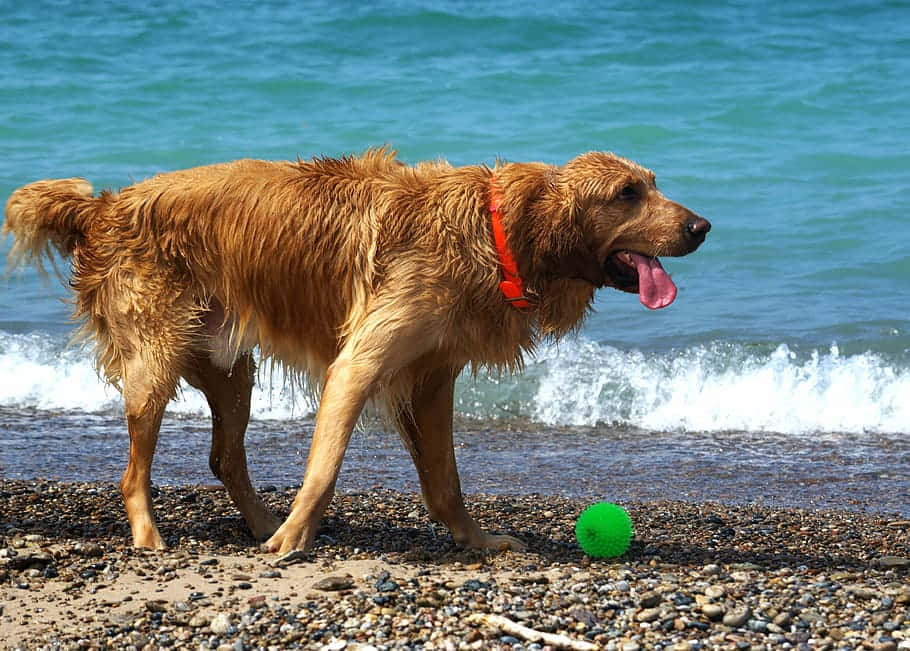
(382, 576)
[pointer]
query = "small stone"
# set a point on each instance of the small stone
(334, 583)
(649, 599)
(89, 550)
(715, 591)
(711, 569)
(220, 624)
(648, 615)
(737, 618)
(713, 612)
(757, 625)
(198, 621)
(893, 562)
(861, 592)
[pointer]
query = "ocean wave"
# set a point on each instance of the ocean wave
(724, 387)
(714, 387)
(40, 372)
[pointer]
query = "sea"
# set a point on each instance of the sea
(781, 374)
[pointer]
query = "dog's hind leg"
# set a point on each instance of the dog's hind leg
(426, 429)
(144, 400)
(228, 394)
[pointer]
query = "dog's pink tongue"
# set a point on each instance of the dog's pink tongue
(655, 288)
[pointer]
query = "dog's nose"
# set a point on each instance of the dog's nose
(697, 228)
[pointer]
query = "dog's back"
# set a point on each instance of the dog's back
(223, 256)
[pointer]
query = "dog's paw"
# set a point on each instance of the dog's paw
(288, 538)
(148, 538)
(264, 526)
(502, 542)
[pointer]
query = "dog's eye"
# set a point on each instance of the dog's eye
(628, 193)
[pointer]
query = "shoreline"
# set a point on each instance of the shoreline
(708, 574)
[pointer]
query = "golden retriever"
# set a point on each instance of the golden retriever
(366, 277)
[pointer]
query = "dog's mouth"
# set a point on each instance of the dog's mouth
(642, 275)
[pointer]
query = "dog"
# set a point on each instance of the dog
(371, 279)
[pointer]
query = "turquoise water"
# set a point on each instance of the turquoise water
(785, 124)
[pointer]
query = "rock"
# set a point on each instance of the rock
(334, 583)
(737, 618)
(861, 592)
(88, 549)
(650, 599)
(221, 624)
(757, 625)
(713, 612)
(715, 591)
(199, 621)
(893, 562)
(648, 615)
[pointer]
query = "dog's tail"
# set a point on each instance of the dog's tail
(48, 213)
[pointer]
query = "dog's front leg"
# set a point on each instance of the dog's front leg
(346, 389)
(384, 343)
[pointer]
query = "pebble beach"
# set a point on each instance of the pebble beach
(383, 576)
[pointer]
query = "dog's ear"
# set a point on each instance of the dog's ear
(565, 249)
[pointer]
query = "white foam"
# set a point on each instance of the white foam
(723, 387)
(39, 372)
(709, 388)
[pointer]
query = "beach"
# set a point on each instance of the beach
(381, 575)
(755, 430)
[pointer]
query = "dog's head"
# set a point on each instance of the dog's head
(620, 224)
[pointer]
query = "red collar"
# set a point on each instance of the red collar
(512, 287)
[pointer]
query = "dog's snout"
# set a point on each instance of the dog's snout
(697, 228)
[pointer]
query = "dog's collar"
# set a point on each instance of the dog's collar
(511, 287)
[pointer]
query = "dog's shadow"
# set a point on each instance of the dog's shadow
(203, 519)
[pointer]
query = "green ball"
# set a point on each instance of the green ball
(604, 530)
